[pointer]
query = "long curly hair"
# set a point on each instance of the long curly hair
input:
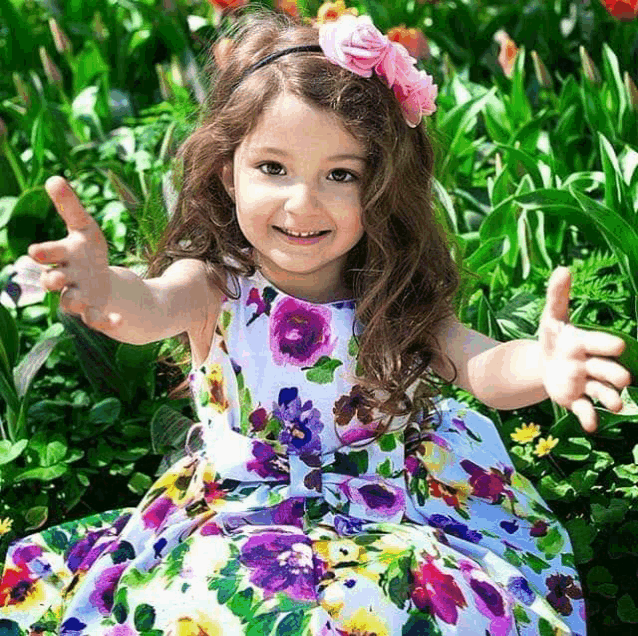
(401, 272)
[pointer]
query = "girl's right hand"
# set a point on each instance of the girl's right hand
(81, 267)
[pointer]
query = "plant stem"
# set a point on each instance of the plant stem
(13, 162)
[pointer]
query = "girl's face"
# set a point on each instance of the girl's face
(299, 170)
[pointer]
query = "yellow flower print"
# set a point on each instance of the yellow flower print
(217, 394)
(365, 621)
(526, 433)
(5, 526)
(544, 446)
(334, 552)
(217, 622)
(433, 456)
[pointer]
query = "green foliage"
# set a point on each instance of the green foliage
(529, 177)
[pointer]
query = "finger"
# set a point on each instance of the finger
(53, 279)
(607, 396)
(583, 409)
(557, 295)
(608, 371)
(599, 343)
(67, 204)
(48, 253)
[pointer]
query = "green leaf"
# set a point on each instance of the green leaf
(576, 449)
(627, 610)
(552, 543)
(9, 451)
(599, 581)
(43, 474)
(613, 513)
(144, 617)
(290, 624)
(36, 517)
(552, 489)
(616, 196)
(262, 625)
(388, 442)
(323, 370)
(241, 603)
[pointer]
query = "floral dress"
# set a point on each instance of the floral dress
(286, 522)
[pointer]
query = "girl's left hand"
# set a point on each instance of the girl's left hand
(576, 364)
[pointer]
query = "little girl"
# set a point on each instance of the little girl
(334, 493)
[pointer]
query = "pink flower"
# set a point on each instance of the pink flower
(354, 43)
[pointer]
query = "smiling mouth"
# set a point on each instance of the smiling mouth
(304, 235)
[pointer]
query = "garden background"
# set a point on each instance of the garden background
(537, 128)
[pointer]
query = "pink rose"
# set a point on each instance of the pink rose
(417, 97)
(354, 43)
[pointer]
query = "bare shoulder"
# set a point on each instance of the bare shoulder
(190, 298)
(459, 344)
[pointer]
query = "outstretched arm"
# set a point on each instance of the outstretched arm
(567, 364)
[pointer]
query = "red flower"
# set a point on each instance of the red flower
(287, 6)
(413, 40)
(622, 9)
(227, 4)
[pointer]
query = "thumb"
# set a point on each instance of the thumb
(67, 204)
(557, 295)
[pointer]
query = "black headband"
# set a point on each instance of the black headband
(274, 56)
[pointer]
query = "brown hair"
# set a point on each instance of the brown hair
(401, 272)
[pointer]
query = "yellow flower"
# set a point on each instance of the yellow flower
(5, 526)
(526, 433)
(545, 446)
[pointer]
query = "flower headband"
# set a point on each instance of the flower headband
(355, 44)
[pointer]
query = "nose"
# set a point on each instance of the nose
(301, 196)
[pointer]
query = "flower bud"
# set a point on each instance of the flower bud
(177, 72)
(165, 88)
(589, 68)
(508, 52)
(98, 27)
(21, 89)
(124, 192)
(61, 41)
(632, 91)
(50, 69)
(542, 74)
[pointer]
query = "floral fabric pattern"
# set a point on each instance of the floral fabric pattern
(287, 523)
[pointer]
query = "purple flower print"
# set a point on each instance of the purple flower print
(300, 333)
(539, 529)
(102, 595)
(488, 485)
(455, 528)
(25, 554)
(155, 515)
(347, 526)
(488, 599)
(267, 463)
(301, 424)
(562, 588)
(281, 562)
(377, 495)
(289, 512)
(258, 419)
(520, 590)
(510, 526)
(437, 592)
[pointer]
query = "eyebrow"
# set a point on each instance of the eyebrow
(283, 153)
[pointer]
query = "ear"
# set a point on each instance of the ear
(227, 179)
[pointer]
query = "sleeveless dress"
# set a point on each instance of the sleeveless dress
(279, 526)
